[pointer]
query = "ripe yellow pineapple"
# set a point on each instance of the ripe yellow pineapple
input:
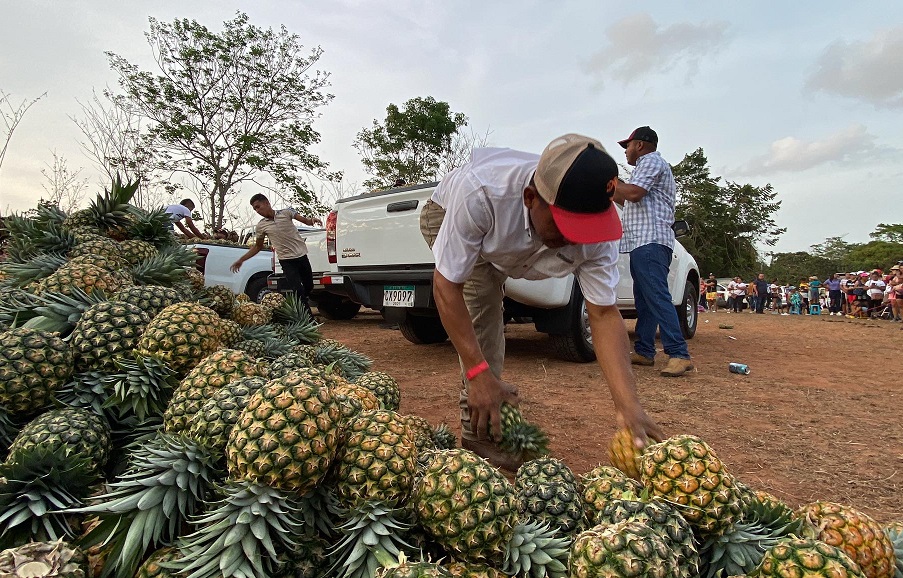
(858, 535)
(623, 453)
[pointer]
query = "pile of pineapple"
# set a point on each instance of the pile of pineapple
(152, 426)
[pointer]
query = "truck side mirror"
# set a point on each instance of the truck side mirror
(681, 228)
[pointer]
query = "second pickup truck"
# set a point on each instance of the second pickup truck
(381, 261)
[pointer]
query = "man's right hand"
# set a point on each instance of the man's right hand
(485, 395)
(235, 266)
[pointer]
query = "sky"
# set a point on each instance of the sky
(807, 99)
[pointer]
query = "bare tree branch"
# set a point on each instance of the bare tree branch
(12, 118)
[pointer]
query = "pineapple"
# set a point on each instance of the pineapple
(466, 505)
(684, 470)
(156, 564)
(287, 435)
(87, 278)
(272, 301)
(77, 432)
(108, 262)
(628, 548)
(44, 560)
(421, 432)
(603, 484)
(547, 492)
(403, 568)
(467, 570)
(221, 299)
(251, 314)
(214, 421)
(519, 437)
(288, 363)
(230, 333)
(807, 558)
(894, 533)
(97, 246)
(104, 332)
(209, 376)
(383, 386)
(624, 455)
(135, 250)
(444, 438)
(858, 535)
(151, 299)
(33, 365)
(195, 279)
(181, 335)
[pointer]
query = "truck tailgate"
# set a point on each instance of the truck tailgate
(393, 217)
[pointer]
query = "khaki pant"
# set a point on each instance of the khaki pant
(483, 294)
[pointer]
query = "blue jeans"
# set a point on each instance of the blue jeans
(649, 269)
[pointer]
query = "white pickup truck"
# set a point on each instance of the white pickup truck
(262, 274)
(382, 262)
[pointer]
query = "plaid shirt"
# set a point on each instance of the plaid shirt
(649, 220)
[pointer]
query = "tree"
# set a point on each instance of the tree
(230, 108)
(836, 250)
(414, 143)
(12, 118)
(727, 220)
(875, 255)
(116, 141)
(891, 233)
(65, 187)
(791, 268)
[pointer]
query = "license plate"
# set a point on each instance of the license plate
(398, 296)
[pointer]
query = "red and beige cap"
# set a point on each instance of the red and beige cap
(574, 177)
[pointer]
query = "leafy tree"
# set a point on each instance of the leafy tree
(875, 255)
(836, 250)
(727, 220)
(230, 108)
(411, 143)
(892, 233)
(790, 268)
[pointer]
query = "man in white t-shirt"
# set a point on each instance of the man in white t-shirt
(182, 212)
(508, 213)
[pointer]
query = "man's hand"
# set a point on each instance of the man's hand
(316, 221)
(485, 396)
(235, 266)
(641, 426)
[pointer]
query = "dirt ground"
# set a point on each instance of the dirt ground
(818, 418)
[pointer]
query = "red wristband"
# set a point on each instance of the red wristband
(477, 370)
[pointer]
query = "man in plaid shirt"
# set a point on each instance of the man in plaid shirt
(648, 201)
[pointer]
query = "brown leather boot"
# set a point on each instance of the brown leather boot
(677, 366)
(637, 359)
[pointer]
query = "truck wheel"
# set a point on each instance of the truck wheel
(577, 344)
(688, 312)
(337, 308)
(422, 330)
(257, 288)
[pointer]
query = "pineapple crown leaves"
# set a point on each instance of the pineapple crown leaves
(294, 310)
(369, 532)
(142, 387)
(351, 363)
(17, 307)
(35, 268)
(34, 492)
(319, 509)
(29, 238)
(151, 226)
(109, 209)
(521, 437)
(58, 313)
(239, 534)
(260, 332)
(166, 482)
(537, 551)
(164, 268)
(303, 332)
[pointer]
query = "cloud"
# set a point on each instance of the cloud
(794, 155)
(868, 71)
(638, 46)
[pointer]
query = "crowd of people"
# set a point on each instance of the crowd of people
(874, 294)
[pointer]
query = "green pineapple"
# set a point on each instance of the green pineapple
(444, 438)
(86, 278)
(421, 432)
(181, 336)
(628, 548)
(230, 333)
(287, 435)
(272, 301)
(213, 422)
(807, 558)
(104, 332)
(209, 376)
(251, 314)
(135, 250)
(384, 386)
(603, 484)
(44, 560)
(97, 246)
(221, 299)
(33, 365)
(151, 299)
(77, 432)
(685, 471)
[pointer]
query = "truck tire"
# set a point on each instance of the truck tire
(257, 288)
(337, 308)
(687, 311)
(422, 330)
(577, 343)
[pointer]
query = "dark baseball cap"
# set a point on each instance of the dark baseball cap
(573, 176)
(644, 133)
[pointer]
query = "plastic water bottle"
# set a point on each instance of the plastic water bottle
(740, 368)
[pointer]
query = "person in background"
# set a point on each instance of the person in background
(896, 292)
(763, 293)
(814, 291)
(648, 201)
(288, 243)
(846, 286)
(711, 293)
(777, 297)
(182, 212)
(804, 295)
(795, 300)
(835, 295)
(737, 292)
(875, 287)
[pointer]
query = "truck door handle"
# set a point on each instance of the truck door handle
(402, 206)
